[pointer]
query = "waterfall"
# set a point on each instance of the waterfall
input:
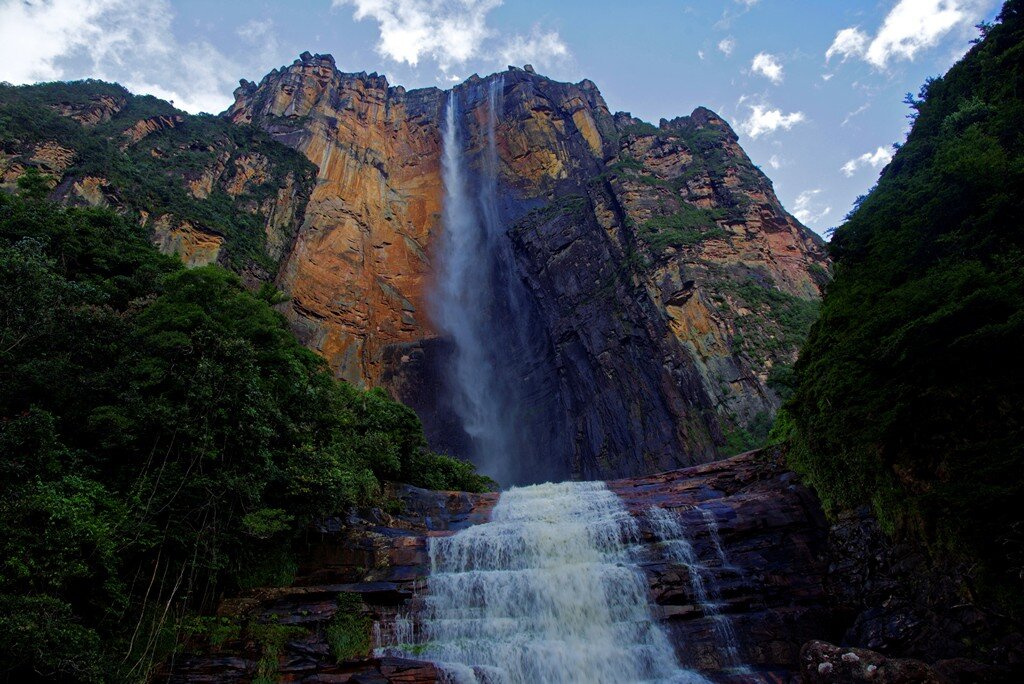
(499, 380)
(547, 591)
(671, 532)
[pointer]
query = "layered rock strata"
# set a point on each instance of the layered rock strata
(668, 281)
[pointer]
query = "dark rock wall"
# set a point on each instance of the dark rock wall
(646, 352)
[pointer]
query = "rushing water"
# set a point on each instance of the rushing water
(669, 529)
(500, 381)
(547, 591)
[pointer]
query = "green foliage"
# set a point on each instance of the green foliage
(691, 225)
(271, 638)
(348, 633)
(739, 440)
(163, 439)
(640, 129)
(153, 174)
(910, 395)
(782, 323)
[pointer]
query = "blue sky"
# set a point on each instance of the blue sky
(813, 87)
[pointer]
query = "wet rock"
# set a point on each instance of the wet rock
(823, 663)
(772, 586)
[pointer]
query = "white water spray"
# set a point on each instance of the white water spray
(547, 591)
(461, 305)
(497, 378)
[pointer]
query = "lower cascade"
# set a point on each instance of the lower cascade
(547, 591)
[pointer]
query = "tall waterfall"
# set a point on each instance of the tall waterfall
(497, 382)
(547, 591)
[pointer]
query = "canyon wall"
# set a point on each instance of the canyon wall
(664, 289)
(670, 286)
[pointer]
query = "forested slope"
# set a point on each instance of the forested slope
(911, 386)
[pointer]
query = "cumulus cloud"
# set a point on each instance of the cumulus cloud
(764, 120)
(850, 42)
(118, 40)
(768, 66)
(809, 209)
(451, 32)
(727, 45)
(540, 47)
(876, 159)
(911, 26)
(775, 162)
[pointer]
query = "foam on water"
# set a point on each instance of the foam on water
(547, 591)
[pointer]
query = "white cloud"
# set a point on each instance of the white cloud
(876, 159)
(911, 26)
(255, 29)
(855, 113)
(765, 120)
(118, 40)
(449, 31)
(537, 48)
(850, 42)
(768, 66)
(700, 55)
(808, 210)
(775, 162)
(748, 3)
(727, 45)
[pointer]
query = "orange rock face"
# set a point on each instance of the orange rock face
(659, 264)
(358, 269)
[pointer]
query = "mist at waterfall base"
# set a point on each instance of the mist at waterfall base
(499, 379)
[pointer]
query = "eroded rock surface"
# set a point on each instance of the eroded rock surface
(666, 284)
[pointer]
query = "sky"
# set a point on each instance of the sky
(814, 88)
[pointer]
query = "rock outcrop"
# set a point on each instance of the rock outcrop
(208, 192)
(773, 587)
(666, 288)
(668, 281)
(357, 273)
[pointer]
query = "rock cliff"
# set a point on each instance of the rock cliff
(206, 191)
(669, 286)
(666, 290)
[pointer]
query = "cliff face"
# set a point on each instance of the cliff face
(666, 284)
(205, 190)
(357, 273)
(661, 291)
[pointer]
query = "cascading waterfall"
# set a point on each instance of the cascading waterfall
(671, 532)
(547, 591)
(462, 302)
(499, 381)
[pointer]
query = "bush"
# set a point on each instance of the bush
(909, 394)
(163, 439)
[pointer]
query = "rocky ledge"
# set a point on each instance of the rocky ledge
(773, 571)
(772, 583)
